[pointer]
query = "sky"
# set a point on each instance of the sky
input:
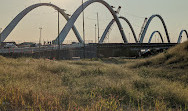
(174, 13)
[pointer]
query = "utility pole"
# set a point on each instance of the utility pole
(58, 35)
(83, 27)
(95, 33)
(40, 39)
(98, 25)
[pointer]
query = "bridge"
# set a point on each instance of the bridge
(138, 45)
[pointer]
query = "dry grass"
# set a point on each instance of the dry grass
(175, 57)
(157, 83)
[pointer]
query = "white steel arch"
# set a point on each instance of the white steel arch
(147, 25)
(110, 25)
(18, 18)
(180, 36)
(76, 14)
(153, 35)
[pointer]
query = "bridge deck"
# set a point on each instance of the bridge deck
(91, 50)
(138, 45)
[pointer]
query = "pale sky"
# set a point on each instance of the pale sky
(174, 13)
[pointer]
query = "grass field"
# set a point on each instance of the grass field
(157, 83)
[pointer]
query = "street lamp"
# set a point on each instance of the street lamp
(83, 27)
(0, 36)
(95, 33)
(58, 35)
(40, 28)
(59, 46)
(98, 25)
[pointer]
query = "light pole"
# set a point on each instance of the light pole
(40, 28)
(129, 38)
(58, 35)
(58, 25)
(98, 25)
(0, 36)
(83, 27)
(95, 33)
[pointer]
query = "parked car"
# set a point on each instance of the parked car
(10, 45)
(27, 44)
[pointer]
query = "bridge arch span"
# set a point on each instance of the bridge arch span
(106, 31)
(180, 36)
(147, 25)
(154, 34)
(111, 23)
(19, 17)
(76, 14)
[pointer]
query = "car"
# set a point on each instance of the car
(10, 45)
(27, 44)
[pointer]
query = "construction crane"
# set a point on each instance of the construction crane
(142, 29)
